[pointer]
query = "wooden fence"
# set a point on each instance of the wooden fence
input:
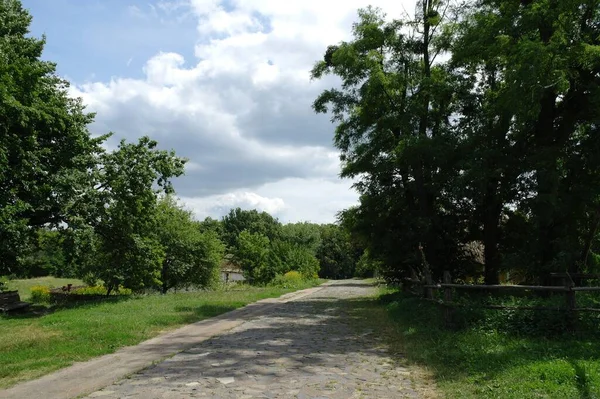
(426, 288)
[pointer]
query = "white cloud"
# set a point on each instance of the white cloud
(290, 200)
(221, 204)
(241, 112)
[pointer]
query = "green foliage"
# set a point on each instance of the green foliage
(100, 290)
(45, 256)
(336, 254)
(287, 280)
(254, 254)
(480, 361)
(393, 128)
(302, 234)
(495, 145)
(3, 283)
(211, 225)
(239, 220)
(117, 236)
(40, 294)
(45, 147)
(191, 257)
(366, 266)
(295, 257)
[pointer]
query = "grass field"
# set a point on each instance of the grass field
(33, 345)
(478, 362)
(24, 286)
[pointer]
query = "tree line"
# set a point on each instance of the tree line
(69, 207)
(472, 125)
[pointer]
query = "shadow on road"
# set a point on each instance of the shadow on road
(306, 335)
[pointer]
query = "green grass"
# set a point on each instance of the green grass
(35, 344)
(481, 362)
(24, 286)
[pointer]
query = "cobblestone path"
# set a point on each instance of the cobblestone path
(308, 348)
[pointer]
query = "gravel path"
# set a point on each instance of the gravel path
(307, 348)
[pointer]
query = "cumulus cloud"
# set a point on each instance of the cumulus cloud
(241, 110)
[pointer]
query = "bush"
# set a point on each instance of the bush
(40, 294)
(292, 279)
(99, 290)
(3, 283)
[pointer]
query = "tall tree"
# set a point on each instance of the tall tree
(547, 63)
(44, 141)
(393, 114)
(238, 220)
(191, 257)
(121, 222)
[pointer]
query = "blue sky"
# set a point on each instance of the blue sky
(100, 39)
(224, 83)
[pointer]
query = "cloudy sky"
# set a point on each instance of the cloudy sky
(224, 83)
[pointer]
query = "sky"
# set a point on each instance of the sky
(224, 83)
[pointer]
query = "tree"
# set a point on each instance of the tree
(191, 257)
(543, 84)
(258, 262)
(119, 215)
(252, 221)
(303, 234)
(394, 130)
(46, 256)
(294, 256)
(336, 255)
(45, 146)
(211, 225)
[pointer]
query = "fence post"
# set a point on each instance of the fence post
(571, 303)
(448, 310)
(429, 282)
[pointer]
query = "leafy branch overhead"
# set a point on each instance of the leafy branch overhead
(471, 123)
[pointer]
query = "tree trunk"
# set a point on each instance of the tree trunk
(491, 236)
(588, 241)
(422, 169)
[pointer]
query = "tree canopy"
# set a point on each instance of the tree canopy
(471, 123)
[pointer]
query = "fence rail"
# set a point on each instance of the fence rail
(426, 288)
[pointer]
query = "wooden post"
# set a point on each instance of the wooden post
(571, 304)
(448, 310)
(429, 282)
(414, 277)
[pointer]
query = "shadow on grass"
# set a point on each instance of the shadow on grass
(478, 356)
(203, 311)
(37, 310)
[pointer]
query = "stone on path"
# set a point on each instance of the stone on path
(307, 348)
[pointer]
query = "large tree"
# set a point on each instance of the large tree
(238, 220)
(44, 141)
(117, 220)
(191, 257)
(393, 114)
(540, 63)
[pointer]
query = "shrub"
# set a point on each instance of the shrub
(40, 294)
(3, 283)
(99, 290)
(290, 279)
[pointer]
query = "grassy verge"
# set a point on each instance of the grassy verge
(24, 286)
(35, 344)
(482, 362)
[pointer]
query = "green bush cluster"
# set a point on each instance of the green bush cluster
(100, 290)
(292, 279)
(40, 294)
(3, 283)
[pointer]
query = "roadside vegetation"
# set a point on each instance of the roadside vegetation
(471, 130)
(34, 344)
(479, 359)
